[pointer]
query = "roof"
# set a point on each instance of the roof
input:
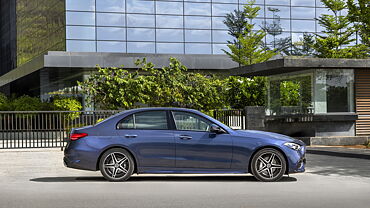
(293, 64)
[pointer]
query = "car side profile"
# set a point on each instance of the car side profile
(177, 140)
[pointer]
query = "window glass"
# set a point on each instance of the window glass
(140, 20)
(110, 46)
(198, 0)
(221, 36)
(198, 9)
(226, 1)
(146, 120)
(198, 22)
(278, 11)
(223, 9)
(274, 25)
(126, 123)
(169, 7)
(140, 47)
(135, 6)
(170, 48)
(110, 5)
(197, 48)
(104, 19)
(277, 2)
(166, 21)
(170, 35)
(217, 23)
(81, 46)
(303, 26)
(111, 33)
(140, 34)
(320, 11)
(80, 32)
(303, 13)
(80, 5)
(80, 18)
(319, 3)
(197, 35)
(190, 122)
(218, 48)
(303, 3)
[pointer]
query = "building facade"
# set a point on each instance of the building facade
(183, 28)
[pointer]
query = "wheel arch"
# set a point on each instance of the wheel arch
(119, 147)
(266, 147)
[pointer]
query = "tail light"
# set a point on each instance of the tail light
(75, 136)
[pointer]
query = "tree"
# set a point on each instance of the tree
(172, 85)
(338, 32)
(304, 47)
(236, 23)
(359, 14)
(249, 47)
(243, 91)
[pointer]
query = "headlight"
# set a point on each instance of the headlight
(293, 145)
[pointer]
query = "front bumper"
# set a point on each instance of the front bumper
(297, 160)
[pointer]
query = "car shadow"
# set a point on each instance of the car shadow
(161, 179)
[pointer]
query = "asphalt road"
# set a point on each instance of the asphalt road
(37, 178)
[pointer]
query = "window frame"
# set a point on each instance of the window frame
(169, 125)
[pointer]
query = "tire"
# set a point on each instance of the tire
(268, 165)
(116, 164)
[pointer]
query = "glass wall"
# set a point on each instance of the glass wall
(41, 27)
(177, 26)
(312, 91)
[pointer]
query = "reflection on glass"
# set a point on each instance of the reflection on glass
(303, 3)
(80, 5)
(221, 36)
(270, 38)
(135, 6)
(166, 21)
(111, 33)
(140, 20)
(197, 22)
(110, 5)
(80, 32)
(217, 23)
(197, 35)
(229, 1)
(169, 7)
(281, 11)
(110, 46)
(321, 11)
(170, 35)
(303, 26)
(198, 9)
(277, 2)
(197, 48)
(140, 47)
(105, 19)
(218, 48)
(223, 9)
(81, 46)
(170, 48)
(275, 25)
(303, 13)
(80, 18)
(140, 34)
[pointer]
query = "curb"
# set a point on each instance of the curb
(335, 140)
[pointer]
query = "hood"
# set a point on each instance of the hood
(270, 135)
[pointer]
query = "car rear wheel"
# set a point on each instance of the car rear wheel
(116, 165)
(268, 165)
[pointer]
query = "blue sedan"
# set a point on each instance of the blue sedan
(177, 140)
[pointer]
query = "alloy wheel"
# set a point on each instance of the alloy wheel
(268, 165)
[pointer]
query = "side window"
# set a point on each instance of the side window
(190, 121)
(145, 120)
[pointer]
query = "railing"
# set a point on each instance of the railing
(43, 129)
(235, 119)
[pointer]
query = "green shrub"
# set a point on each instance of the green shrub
(67, 104)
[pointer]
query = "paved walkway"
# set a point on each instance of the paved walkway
(335, 177)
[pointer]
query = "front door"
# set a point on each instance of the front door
(196, 147)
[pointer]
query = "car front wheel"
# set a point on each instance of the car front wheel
(116, 165)
(268, 165)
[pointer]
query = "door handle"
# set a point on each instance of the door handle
(185, 137)
(130, 135)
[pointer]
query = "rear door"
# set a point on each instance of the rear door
(148, 135)
(196, 147)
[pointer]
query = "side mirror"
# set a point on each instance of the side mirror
(216, 129)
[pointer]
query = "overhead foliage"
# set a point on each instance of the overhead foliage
(359, 14)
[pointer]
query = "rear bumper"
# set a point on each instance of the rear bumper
(78, 155)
